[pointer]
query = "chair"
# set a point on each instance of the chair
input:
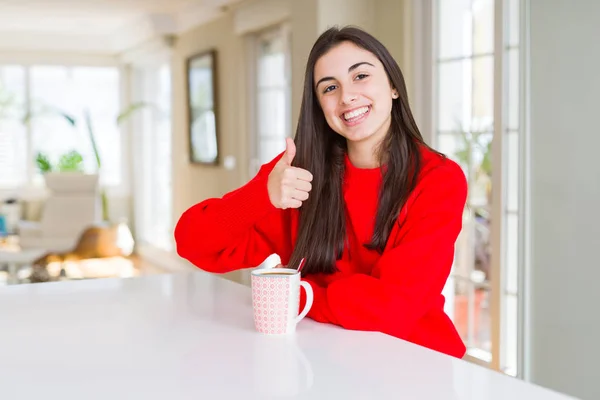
(72, 206)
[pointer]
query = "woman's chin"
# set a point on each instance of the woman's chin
(357, 136)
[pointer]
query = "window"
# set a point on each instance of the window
(513, 212)
(474, 124)
(153, 160)
(46, 92)
(13, 134)
(273, 103)
(464, 124)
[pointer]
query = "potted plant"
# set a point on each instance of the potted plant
(123, 116)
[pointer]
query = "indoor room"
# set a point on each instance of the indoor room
(117, 117)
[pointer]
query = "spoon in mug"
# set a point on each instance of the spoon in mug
(301, 264)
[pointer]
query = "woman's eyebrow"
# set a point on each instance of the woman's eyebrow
(352, 68)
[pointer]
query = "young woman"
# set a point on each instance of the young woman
(371, 207)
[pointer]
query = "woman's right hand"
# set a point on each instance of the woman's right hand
(288, 186)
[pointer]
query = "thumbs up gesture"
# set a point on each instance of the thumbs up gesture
(288, 186)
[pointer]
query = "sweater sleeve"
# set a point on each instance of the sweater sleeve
(408, 279)
(239, 230)
(319, 311)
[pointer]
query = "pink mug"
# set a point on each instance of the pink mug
(276, 300)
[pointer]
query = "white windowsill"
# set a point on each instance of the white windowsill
(167, 260)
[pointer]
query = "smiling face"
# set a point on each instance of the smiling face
(355, 95)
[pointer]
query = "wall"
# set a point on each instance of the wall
(392, 26)
(194, 183)
(565, 196)
(197, 182)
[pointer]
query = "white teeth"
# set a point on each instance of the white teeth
(355, 113)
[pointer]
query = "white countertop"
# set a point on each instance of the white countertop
(191, 336)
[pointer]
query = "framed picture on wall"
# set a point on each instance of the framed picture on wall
(202, 100)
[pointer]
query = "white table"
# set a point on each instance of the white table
(191, 336)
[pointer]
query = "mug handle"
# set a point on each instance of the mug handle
(309, 300)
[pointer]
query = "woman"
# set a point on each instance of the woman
(371, 207)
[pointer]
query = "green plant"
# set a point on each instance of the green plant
(71, 161)
(123, 116)
(471, 142)
(43, 163)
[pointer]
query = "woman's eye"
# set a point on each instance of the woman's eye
(361, 76)
(329, 88)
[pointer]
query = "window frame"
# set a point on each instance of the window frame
(424, 64)
(282, 29)
(144, 89)
(69, 61)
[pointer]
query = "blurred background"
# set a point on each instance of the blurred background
(118, 115)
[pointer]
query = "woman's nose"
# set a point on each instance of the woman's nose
(348, 96)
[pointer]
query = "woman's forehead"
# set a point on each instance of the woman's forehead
(341, 57)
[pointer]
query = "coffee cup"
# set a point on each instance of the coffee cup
(276, 300)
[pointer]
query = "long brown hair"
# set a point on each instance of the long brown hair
(320, 150)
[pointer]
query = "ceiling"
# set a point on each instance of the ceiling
(118, 22)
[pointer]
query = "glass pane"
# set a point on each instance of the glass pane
(512, 157)
(272, 112)
(153, 157)
(448, 143)
(482, 320)
(482, 243)
(13, 154)
(56, 90)
(480, 144)
(462, 294)
(12, 87)
(473, 151)
(480, 199)
(513, 89)
(13, 136)
(97, 89)
(483, 26)
(512, 252)
(201, 79)
(455, 28)
(270, 148)
(464, 257)
(205, 146)
(512, 337)
(454, 95)
(513, 22)
(472, 315)
(162, 186)
(271, 62)
(52, 135)
(448, 293)
(483, 94)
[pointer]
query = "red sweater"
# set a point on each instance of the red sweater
(397, 292)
